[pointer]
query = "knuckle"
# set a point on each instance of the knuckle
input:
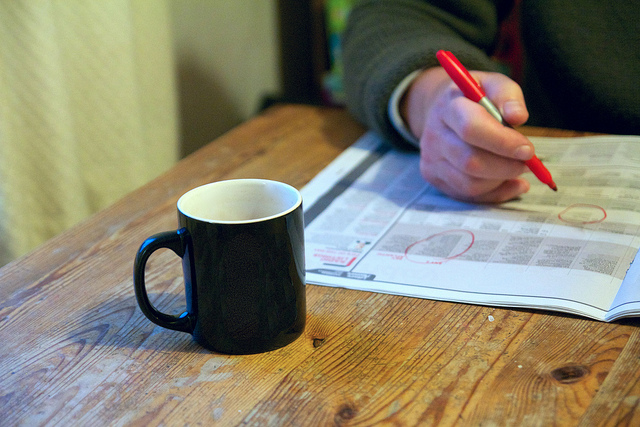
(472, 166)
(463, 116)
(426, 170)
(429, 139)
(473, 189)
(465, 128)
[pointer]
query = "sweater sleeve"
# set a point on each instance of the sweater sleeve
(386, 40)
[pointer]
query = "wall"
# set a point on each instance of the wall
(227, 61)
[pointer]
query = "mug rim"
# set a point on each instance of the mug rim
(203, 187)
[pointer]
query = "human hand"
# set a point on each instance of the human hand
(464, 151)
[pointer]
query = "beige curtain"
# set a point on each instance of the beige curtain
(87, 110)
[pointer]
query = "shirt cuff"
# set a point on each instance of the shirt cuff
(393, 109)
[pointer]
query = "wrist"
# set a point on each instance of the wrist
(396, 107)
(421, 95)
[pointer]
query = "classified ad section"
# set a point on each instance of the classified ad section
(375, 224)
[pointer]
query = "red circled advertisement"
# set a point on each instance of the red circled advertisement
(583, 213)
(413, 257)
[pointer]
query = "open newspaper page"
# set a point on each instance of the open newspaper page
(373, 223)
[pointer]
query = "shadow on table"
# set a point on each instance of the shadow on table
(119, 322)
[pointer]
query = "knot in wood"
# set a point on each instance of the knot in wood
(570, 374)
(345, 412)
(317, 342)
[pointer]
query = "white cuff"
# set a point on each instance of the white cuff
(393, 109)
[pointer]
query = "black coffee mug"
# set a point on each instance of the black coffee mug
(242, 248)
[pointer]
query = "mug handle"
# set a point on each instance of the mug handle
(177, 241)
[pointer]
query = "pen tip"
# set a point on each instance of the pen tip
(553, 186)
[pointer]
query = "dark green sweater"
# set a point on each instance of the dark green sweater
(582, 57)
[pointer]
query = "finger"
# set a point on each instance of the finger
(507, 96)
(474, 125)
(505, 191)
(448, 179)
(477, 162)
(508, 190)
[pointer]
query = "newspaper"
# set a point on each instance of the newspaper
(373, 224)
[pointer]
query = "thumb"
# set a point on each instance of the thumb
(507, 96)
(514, 111)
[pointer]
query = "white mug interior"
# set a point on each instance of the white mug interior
(239, 201)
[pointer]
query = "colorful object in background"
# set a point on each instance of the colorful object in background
(336, 13)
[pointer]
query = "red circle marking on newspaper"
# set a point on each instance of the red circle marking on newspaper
(583, 213)
(439, 260)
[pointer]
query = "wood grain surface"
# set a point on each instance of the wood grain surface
(76, 350)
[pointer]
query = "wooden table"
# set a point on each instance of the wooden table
(76, 350)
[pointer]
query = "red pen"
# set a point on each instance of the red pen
(472, 90)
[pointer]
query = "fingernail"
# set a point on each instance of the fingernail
(512, 108)
(524, 152)
(524, 187)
